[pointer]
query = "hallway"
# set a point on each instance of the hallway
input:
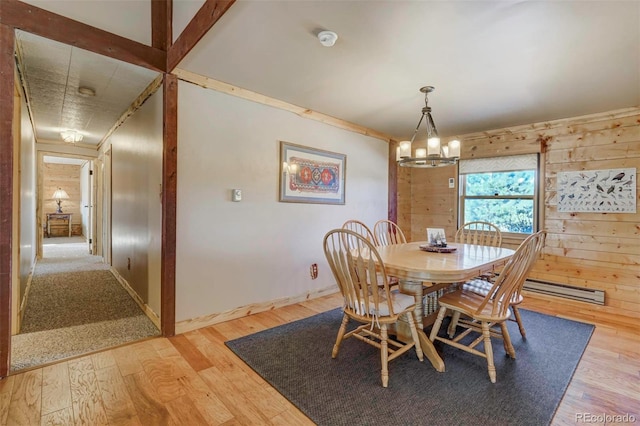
(75, 306)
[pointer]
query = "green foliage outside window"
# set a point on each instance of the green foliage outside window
(503, 198)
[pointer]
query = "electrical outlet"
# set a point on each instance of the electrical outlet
(236, 194)
(313, 271)
(452, 183)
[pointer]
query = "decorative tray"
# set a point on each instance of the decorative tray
(436, 249)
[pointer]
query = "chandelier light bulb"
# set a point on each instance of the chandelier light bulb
(454, 148)
(433, 145)
(404, 150)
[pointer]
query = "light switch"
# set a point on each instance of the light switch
(236, 194)
(452, 183)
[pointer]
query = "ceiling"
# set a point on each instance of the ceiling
(494, 64)
(54, 75)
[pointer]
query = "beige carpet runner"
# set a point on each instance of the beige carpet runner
(75, 306)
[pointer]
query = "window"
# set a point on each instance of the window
(503, 191)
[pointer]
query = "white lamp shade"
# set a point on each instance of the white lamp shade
(60, 194)
(405, 149)
(433, 146)
(454, 148)
(421, 153)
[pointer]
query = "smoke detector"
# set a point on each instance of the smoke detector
(327, 38)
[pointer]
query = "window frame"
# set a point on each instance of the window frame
(535, 197)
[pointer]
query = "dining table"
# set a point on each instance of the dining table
(422, 269)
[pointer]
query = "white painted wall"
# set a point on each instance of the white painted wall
(28, 229)
(136, 208)
(232, 254)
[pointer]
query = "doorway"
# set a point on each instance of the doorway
(92, 109)
(74, 303)
(66, 198)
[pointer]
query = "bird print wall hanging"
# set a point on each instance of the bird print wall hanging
(611, 190)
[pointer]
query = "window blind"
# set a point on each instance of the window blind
(499, 164)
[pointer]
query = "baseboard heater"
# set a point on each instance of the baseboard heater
(568, 292)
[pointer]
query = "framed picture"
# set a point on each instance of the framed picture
(436, 236)
(599, 191)
(310, 175)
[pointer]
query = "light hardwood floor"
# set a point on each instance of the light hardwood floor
(193, 379)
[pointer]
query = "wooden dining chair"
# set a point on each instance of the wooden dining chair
(483, 287)
(387, 232)
(359, 228)
(491, 310)
(364, 231)
(357, 270)
(479, 233)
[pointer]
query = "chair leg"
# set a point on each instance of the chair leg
(488, 350)
(437, 324)
(506, 339)
(341, 331)
(384, 355)
(516, 314)
(453, 324)
(414, 334)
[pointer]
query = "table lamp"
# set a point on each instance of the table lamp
(60, 195)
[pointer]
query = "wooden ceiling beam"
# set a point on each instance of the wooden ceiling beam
(210, 12)
(32, 19)
(161, 24)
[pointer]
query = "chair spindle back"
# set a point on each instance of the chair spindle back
(387, 233)
(512, 277)
(359, 228)
(479, 233)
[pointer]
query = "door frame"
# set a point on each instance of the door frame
(102, 175)
(40, 196)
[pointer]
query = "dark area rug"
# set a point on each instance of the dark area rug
(295, 358)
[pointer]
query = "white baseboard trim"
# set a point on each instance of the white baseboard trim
(145, 308)
(243, 311)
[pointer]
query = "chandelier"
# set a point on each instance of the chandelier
(433, 155)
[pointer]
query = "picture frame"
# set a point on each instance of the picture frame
(597, 191)
(310, 175)
(436, 237)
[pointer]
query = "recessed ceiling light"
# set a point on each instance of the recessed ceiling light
(86, 91)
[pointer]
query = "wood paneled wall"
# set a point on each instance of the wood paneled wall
(589, 250)
(426, 201)
(67, 177)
